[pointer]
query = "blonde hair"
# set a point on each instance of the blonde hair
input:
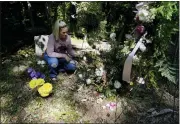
(58, 24)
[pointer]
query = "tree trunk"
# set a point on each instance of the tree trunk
(30, 14)
(23, 13)
(48, 16)
(55, 13)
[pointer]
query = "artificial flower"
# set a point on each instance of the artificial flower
(29, 70)
(88, 81)
(45, 90)
(99, 72)
(38, 74)
(32, 83)
(113, 36)
(140, 29)
(36, 82)
(42, 76)
(33, 74)
(117, 84)
(140, 80)
(40, 81)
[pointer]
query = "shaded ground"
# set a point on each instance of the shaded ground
(72, 100)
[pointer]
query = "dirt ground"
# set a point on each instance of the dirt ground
(73, 101)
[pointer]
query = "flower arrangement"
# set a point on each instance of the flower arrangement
(45, 90)
(34, 75)
(144, 14)
(38, 82)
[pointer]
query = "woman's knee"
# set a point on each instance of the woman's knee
(53, 62)
(71, 67)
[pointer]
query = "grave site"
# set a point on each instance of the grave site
(127, 63)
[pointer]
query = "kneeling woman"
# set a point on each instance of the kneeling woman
(59, 50)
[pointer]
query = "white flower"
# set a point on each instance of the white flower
(88, 81)
(85, 8)
(26, 55)
(113, 36)
(99, 72)
(128, 36)
(142, 47)
(139, 5)
(117, 84)
(73, 3)
(73, 16)
(148, 41)
(39, 62)
(84, 58)
(80, 76)
(43, 62)
(143, 15)
(140, 80)
(142, 5)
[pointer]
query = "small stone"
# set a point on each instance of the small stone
(99, 100)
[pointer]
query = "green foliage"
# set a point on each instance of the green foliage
(167, 9)
(166, 41)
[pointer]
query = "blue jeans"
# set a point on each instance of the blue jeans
(55, 64)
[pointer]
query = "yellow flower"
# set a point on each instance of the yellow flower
(45, 90)
(32, 83)
(40, 81)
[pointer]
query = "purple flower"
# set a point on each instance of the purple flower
(38, 74)
(33, 74)
(42, 76)
(29, 70)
